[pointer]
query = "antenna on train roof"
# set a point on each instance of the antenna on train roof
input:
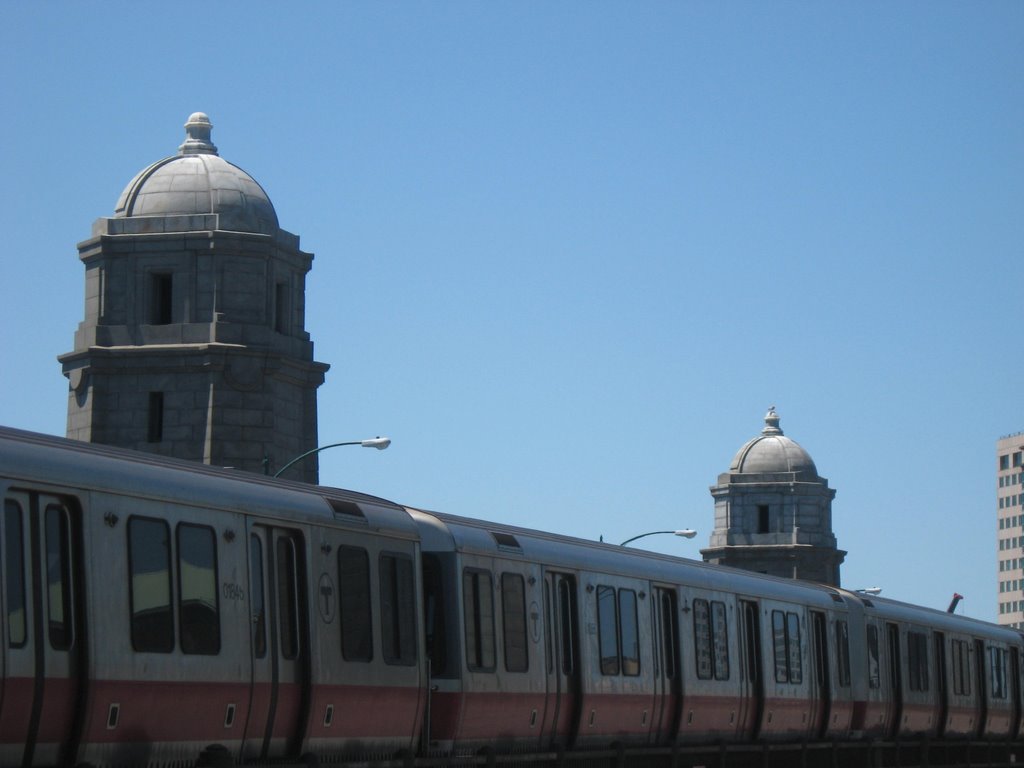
(957, 597)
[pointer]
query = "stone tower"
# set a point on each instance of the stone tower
(773, 512)
(194, 342)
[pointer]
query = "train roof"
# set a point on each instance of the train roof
(45, 460)
(441, 531)
(896, 610)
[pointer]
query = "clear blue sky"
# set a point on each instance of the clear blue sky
(567, 254)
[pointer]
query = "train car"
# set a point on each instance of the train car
(936, 675)
(152, 608)
(553, 642)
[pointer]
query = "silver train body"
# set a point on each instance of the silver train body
(151, 608)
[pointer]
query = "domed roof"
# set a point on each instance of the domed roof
(772, 451)
(198, 181)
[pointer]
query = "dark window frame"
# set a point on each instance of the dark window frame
(355, 604)
(607, 630)
(478, 609)
(60, 613)
(398, 609)
(191, 633)
(140, 643)
(14, 570)
(258, 599)
(711, 639)
(787, 643)
(286, 568)
(629, 632)
(514, 630)
(874, 665)
(960, 652)
(998, 672)
(843, 653)
(917, 661)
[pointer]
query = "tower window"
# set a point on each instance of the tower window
(162, 294)
(156, 417)
(762, 518)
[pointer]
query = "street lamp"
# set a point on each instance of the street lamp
(686, 533)
(380, 443)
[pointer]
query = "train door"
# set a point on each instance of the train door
(280, 654)
(1015, 693)
(822, 694)
(895, 714)
(979, 659)
(667, 677)
(940, 682)
(752, 698)
(563, 664)
(43, 633)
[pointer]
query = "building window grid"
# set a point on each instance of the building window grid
(1010, 503)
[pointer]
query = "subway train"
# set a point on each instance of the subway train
(156, 612)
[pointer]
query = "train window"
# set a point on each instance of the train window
(397, 610)
(961, 668)
(58, 576)
(917, 661)
(256, 601)
(843, 653)
(874, 668)
(513, 621)
(720, 640)
(548, 629)
(198, 609)
(567, 623)
(434, 612)
(149, 563)
(14, 555)
(788, 650)
(711, 639)
(629, 632)
(478, 606)
(997, 665)
(354, 604)
(287, 597)
(702, 639)
(796, 674)
(668, 631)
(607, 630)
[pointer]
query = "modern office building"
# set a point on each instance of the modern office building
(1010, 534)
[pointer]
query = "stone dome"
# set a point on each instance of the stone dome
(198, 181)
(773, 452)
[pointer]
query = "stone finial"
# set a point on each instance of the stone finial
(771, 422)
(198, 130)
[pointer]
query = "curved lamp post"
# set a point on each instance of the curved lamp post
(380, 443)
(686, 533)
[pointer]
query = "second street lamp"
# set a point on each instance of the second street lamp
(686, 533)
